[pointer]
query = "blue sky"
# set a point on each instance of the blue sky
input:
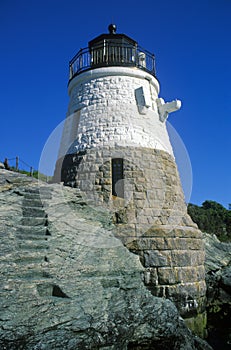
(192, 44)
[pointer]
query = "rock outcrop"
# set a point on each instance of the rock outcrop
(68, 283)
(218, 280)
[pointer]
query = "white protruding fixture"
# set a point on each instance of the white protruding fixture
(142, 59)
(166, 108)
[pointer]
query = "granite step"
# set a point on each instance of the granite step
(38, 193)
(30, 258)
(35, 275)
(32, 203)
(30, 195)
(32, 190)
(33, 212)
(32, 221)
(30, 245)
(33, 230)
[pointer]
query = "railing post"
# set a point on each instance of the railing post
(6, 164)
(153, 65)
(31, 171)
(16, 165)
(70, 71)
(81, 59)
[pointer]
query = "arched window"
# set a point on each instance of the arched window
(117, 177)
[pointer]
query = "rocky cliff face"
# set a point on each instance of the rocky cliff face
(218, 280)
(68, 283)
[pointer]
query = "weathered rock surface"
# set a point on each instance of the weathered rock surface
(218, 270)
(68, 283)
(218, 280)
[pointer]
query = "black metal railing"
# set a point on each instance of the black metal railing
(112, 55)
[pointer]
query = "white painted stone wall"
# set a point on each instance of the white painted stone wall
(114, 106)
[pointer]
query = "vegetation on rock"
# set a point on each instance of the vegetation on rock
(212, 217)
(36, 174)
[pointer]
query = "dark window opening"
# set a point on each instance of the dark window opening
(117, 177)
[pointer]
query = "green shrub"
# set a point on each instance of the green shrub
(212, 217)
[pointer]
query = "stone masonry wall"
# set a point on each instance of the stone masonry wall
(151, 219)
(114, 110)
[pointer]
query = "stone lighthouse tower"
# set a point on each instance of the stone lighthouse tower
(115, 148)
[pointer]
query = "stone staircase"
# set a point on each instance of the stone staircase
(26, 250)
(33, 234)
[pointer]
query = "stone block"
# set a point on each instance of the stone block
(148, 244)
(193, 290)
(181, 257)
(190, 274)
(139, 195)
(139, 203)
(190, 243)
(155, 258)
(128, 231)
(94, 168)
(142, 220)
(33, 212)
(167, 276)
(197, 258)
(131, 216)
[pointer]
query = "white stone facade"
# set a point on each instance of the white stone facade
(114, 106)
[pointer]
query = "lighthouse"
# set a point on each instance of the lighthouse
(115, 149)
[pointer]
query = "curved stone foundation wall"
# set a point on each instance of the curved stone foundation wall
(151, 219)
(152, 189)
